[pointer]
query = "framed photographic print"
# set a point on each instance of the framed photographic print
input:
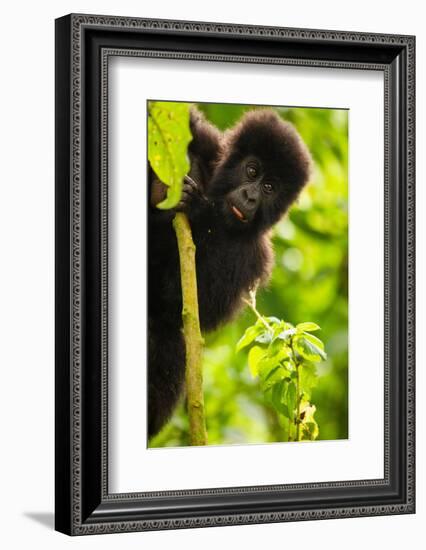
(234, 274)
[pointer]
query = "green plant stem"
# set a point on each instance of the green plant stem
(252, 305)
(297, 402)
(191, 329)
(296, 363)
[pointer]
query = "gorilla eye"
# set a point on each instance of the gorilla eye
(251, 171)
(268, 188)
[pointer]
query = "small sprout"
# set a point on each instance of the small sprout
(283, 357)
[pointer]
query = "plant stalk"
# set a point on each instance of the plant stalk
(298, 403)
(298, 399)
(191, 329)
(252, 305)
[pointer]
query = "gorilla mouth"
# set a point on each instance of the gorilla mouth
(238, 214)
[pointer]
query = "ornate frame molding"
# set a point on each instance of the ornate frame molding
(84, 508)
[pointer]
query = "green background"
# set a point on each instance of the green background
(309, 283)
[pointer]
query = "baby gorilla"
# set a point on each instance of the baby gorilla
(240, 184)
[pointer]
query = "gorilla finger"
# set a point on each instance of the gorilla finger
(192, 188)
(187, 180)
(182, 206)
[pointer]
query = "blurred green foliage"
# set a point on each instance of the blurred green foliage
(309, 282)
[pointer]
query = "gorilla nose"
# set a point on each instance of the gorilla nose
(250, 195)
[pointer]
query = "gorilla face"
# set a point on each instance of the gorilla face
(252, 196)
(251, 193)
(263, 167)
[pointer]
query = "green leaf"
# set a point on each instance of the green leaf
(291, 398)
(249, 336)
(290, 366)
(314, 340)
(276, 394)
(308, 349)
(278, 346)
(308, 424)
(269, 377)
(286, 334)
(310, 431)
(277, 397)
(307, 327)
(273, 359)
(264, 338)
(308, 378)
(168, 138)
(255, 355)
(273, 320)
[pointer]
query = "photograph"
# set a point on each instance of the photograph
(247, 274)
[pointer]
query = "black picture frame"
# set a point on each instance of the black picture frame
(83, 45)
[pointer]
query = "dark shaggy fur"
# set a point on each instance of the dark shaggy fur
(242, 182)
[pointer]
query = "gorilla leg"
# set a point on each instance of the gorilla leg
(166, 374)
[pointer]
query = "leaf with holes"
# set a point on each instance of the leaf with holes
(168, 138)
